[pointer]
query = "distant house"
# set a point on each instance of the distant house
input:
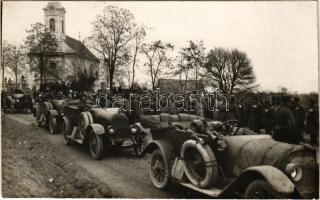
(70, 52)
(176, 85)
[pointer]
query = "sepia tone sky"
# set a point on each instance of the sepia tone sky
(279, 37)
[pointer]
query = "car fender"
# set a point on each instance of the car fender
(165, 147)
(53, 113)
(96, 128)
(67, 124)
(272, 175)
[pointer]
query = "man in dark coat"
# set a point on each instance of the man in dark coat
(299, 116)
(255, 116)
(267, 119)
(284, 122)
(312, 122)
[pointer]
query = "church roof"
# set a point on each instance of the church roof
(79, 49)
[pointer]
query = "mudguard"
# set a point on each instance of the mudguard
(53, 113)
(37, 111)
(275, 177)
(165, 147)
(96, 128)
(67, 125)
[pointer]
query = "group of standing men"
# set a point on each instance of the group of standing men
(282, 117)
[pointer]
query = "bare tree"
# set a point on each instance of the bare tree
(191, 60)
(140, 34)
(113, 30)
(230, 71)
(41, 44)
(18, 64)
(158, 59)
(6, 57)
(85, 73)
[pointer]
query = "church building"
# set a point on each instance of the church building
(72, 55)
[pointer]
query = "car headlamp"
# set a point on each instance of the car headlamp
(111, 130)
(134, 129)
(294, 171)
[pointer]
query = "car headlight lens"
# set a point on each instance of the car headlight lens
(134, 129)
(111, 130)
(295, 171)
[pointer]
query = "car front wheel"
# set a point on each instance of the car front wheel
(66, 133)
(260, 189)
(159, 172)
(95, 145)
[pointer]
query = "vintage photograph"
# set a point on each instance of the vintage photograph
(160, 99)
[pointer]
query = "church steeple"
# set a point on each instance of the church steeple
(54, 19)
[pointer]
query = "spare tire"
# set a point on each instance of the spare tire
(199, 163)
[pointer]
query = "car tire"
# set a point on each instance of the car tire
(159, 170)
(65, 129)
(95, 145)
(53, 126)
(260, 189)
(84, 122)
(200, 165)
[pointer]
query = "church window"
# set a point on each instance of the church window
(62, 24)
(52, 24)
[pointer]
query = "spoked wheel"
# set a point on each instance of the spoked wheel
(260, 189)
(66, 133)
(159, 172)
(53, 127)
(95, 145)
(196, 163)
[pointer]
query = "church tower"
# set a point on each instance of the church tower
(54, 19)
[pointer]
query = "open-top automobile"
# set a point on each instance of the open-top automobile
(99, 128)
(225, 161)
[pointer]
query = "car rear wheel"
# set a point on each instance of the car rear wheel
(159, 171)
(53, 127)
(260, 189)
(95, 145)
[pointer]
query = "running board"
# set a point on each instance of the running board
(213, 192)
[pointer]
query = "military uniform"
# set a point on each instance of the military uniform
(299, 115)
(312, 124)
(284, 125)
(255, 117)
(267, 120)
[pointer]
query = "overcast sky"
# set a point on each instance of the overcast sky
(279, 37)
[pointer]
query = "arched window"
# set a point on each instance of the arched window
(52, 24)
(62, 24)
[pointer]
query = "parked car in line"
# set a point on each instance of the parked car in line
(99, 128)
(16, 101)
(225, 161)
(45, 110)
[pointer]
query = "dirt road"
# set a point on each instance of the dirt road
(37, 164)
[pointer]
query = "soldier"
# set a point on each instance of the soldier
(255, 116)
(242, 113)
(267, 119)
(284, 122)
(299, 116)
(312, 122)
(233, 109)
